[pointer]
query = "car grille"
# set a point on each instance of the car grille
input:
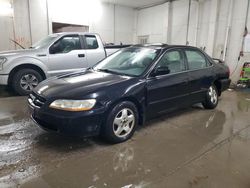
(37, 100)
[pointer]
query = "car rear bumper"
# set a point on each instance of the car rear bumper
(4, 79)
(225, 83)
(80, 125)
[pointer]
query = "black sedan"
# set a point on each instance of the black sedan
(122, 91)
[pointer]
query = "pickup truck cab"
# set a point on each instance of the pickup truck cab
(56, 54)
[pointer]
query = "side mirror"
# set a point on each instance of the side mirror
(161, 71)
(52, 50)
(55, 48)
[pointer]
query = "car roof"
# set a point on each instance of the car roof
(74, 33)
(163, 46)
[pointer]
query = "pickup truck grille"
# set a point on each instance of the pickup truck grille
(37, 100)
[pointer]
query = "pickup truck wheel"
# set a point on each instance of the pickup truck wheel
(211, 100)
(121, 122)
(25, 80)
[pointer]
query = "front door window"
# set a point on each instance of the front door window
(65, 45)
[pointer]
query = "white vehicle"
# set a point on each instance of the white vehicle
(56, 54)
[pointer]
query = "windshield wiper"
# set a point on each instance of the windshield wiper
(108, 71)
(114, 72)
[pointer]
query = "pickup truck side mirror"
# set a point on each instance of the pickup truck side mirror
(161, 70)
(53, 50)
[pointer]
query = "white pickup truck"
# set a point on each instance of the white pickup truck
(56, 54)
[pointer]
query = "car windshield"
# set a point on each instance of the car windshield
(44, 42)
(129, 61)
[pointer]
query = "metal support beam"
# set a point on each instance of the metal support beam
(170, 20)
(30, 29)
(197, 27)
(114, 23)
(229, 23)
(188, 22)
(48, 19)
(212, 26)
(245, 28)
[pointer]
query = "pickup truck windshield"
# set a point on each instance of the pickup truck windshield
(44, 42)
(130, 61)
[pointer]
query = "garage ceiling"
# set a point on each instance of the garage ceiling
(136, 3)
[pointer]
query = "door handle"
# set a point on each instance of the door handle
(81, 55)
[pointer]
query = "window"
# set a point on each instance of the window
(66, 44)
(128, 61)
(91, 42)
(44, 42)
(196, 60)
(173, 60)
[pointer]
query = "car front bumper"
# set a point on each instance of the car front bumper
(79, 124)
(4, 79)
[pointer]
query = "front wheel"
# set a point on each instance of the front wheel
(121, 122)
(25, 80)
(211, 100)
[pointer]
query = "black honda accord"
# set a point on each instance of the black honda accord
(119, 93)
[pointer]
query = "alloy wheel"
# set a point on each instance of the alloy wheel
(124, 122)
(28, 82)
(212, 95)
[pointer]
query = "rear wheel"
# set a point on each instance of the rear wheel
(25, 80)
(211, 100)
(121, 122)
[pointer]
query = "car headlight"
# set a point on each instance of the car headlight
(73, 105)
(2, 61)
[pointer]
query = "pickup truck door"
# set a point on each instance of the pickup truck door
(66, 55)
(95, 51)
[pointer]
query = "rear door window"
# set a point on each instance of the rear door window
(91, 42)
(196, 60)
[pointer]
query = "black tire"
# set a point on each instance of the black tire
(211, 100)
(110, 128)
(19, 75)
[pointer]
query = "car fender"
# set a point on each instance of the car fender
(26, 60)
(135, 93)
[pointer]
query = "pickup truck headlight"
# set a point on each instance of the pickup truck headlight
(2, 61)
(73, 105)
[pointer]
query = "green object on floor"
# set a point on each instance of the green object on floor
(245, 75)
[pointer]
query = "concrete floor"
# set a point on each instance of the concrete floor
(193, 148)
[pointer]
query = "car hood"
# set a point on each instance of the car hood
(77, 85)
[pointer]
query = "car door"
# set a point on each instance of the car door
(66, 55)
(94, 49)
(200, 74)
(168, 92)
